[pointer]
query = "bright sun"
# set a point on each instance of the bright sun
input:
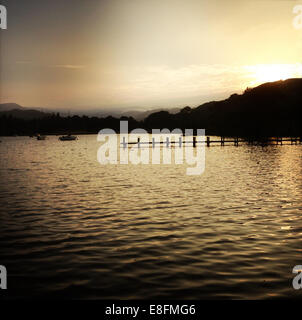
(273, 72)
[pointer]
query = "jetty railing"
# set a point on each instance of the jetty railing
(208, 142)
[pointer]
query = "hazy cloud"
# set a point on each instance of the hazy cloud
(69, 66)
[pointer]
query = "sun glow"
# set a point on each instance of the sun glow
(273, 72)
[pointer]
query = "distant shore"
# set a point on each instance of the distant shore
(272, 109)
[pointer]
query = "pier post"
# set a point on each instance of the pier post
(208, 141)
(194, 142)
(222, 141)
(180, 142)
(124, 143)
(138, 142)
(153, 143)
(167, 142)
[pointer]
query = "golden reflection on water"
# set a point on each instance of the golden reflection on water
(116, 230)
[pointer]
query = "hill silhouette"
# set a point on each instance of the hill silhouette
(271, 109)
(10, 106)
(21, 112)
(25, 114)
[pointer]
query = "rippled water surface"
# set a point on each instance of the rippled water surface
(70, 227)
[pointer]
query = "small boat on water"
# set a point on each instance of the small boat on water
(68, 138)
(39, 137)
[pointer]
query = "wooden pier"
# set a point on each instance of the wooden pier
(208, 142)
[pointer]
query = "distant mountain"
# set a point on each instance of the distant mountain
(16, 111)
(105, 112)
(10, 106)
(120, 112)
(273, 108)
(141, 115)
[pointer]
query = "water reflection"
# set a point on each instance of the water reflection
(71, 227)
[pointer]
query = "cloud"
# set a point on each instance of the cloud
(161, 83)
(69, 66)
(189, 80)
(63, 66)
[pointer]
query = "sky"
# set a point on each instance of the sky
(143, 54)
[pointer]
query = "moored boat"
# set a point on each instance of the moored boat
(39, 137)
(68, 138)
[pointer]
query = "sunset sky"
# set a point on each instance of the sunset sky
(143, 53)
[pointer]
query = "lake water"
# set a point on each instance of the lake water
(72, 228)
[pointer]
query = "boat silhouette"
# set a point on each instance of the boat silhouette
(67, 138)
